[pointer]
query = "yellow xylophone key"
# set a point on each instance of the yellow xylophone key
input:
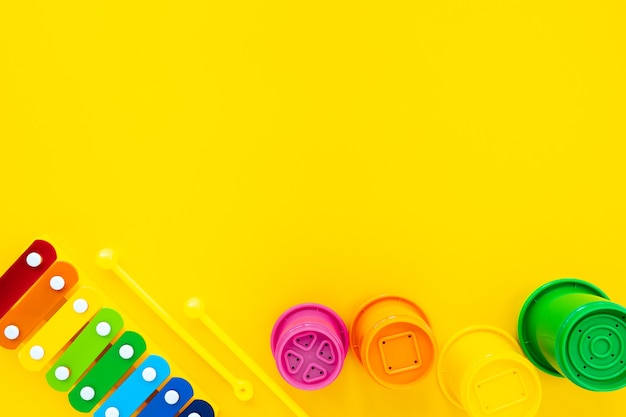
(60, 329)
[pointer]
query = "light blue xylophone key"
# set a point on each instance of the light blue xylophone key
(136, 389)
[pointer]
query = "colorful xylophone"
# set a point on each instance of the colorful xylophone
(46, 315)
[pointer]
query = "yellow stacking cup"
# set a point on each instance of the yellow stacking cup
(482, 370)
(392, 338)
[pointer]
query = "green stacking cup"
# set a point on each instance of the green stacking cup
(570, 328)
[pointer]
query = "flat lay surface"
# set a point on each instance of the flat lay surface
(260, 155)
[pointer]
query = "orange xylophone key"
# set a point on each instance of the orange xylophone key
(43, 298)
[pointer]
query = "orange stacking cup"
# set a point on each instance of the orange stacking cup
(391, 336)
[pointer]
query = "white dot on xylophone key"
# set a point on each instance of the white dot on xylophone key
(171, 397)
(62, 373)
(11, 332)
(126, 352)
(80, 306)
(112, 412)
(149, 374)
(33, 259)
(87, 393)
(57, 283)
(103, 329)
(37, 353)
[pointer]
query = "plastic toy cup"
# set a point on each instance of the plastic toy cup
(482, 370)
(569, 328)
(309, 343)
(391, 336)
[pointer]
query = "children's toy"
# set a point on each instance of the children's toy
(92, 357)
(57, 331)
(391, 336)
(23, 274)
(242, 388)
(45, 296)
(482, 370)
(570, 328)
(194, 308)
(309, 343)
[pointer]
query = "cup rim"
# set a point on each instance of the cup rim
(369, 303)
(533, 353)
(330, 314)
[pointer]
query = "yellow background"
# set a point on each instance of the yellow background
(260, 154)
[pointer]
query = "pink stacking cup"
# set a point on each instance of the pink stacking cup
(309, 343)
